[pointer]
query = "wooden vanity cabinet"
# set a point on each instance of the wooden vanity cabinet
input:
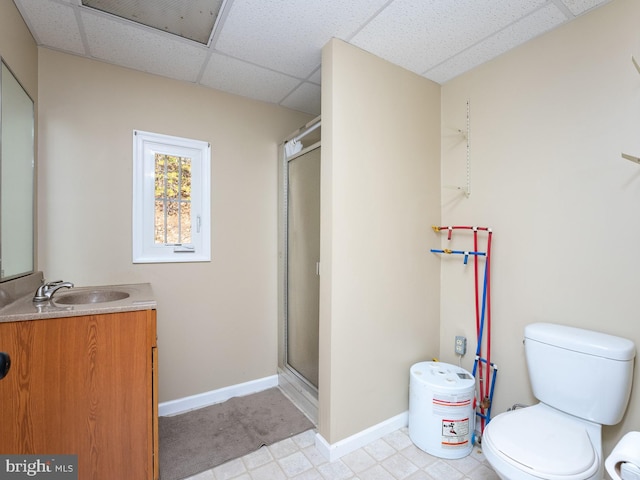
(84, 385)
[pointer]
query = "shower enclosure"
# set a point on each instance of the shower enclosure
(300, 255)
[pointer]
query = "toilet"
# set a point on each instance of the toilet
(582, 380)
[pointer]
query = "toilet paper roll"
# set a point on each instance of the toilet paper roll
(627, 450)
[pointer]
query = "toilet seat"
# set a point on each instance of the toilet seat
(556, 447)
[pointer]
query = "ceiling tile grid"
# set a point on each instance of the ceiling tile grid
(270, 50)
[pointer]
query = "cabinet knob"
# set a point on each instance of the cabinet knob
(5, 364)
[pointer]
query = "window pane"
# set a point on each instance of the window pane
(173, 199)
(173, 225)
(185, 222)
(186, 179)
(159, 230)
(159, 175)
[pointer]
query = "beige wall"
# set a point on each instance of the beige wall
(548, 123)
(380, 194)
(217, 321)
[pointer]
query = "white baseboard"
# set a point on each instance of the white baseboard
(205, 399)
(336, 450)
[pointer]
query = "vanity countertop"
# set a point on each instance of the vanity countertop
(140, 298)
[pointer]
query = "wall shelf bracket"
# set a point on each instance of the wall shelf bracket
(467, 136)
(631, 157)
(626, 156)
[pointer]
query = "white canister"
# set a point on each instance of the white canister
(441, 414)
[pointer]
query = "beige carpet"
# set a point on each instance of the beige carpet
(196, 441)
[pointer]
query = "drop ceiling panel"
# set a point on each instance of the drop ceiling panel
(305, 98)
(420, 35)
(145, 49)
(316, 76)
(235, 76)
(288, 35)
(578, 7)
(528, 27)
(53, 24)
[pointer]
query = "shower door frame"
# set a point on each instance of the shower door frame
(302, 391)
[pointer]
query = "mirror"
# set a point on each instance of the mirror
(16, 178)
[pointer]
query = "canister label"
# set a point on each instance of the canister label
(454, 410)
(455, 433)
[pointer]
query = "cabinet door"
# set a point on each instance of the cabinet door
(81, 385)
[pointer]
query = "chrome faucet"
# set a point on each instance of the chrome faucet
(46, 290)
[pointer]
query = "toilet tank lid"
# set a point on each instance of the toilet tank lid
(580, 340)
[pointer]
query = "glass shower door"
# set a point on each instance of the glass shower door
(303, 255)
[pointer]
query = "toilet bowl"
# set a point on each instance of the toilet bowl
(560, 438)
(541, 442)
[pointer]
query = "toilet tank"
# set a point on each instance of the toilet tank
(581, 372)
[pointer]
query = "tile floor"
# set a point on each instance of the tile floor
(393, 457)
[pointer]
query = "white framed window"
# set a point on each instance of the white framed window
(171, 199)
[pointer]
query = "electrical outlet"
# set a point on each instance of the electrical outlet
(461, 345)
